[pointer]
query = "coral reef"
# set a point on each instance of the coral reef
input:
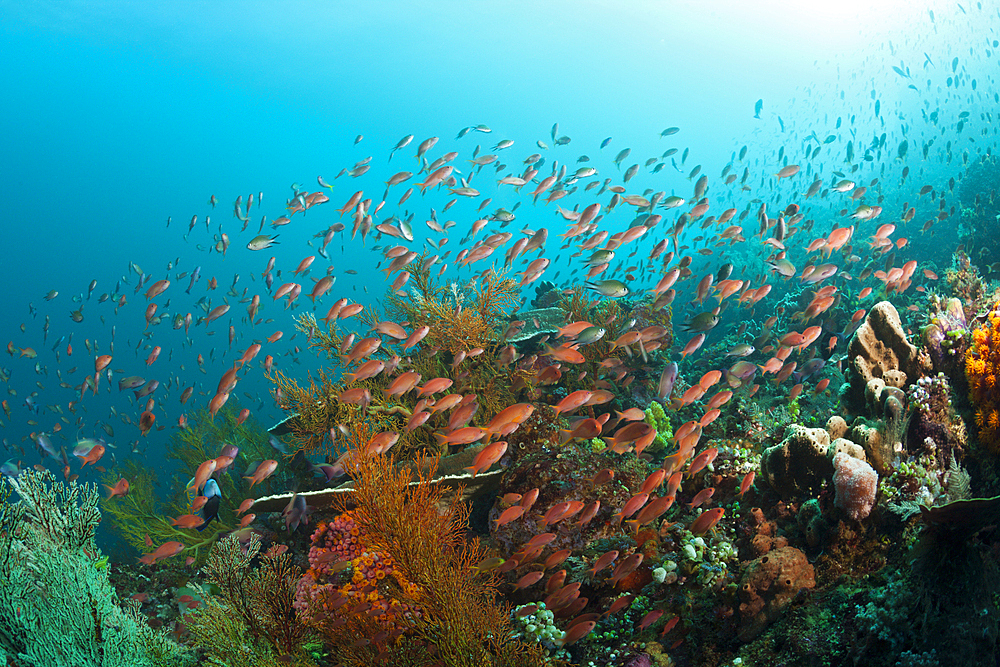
(142, 516)
(252, 621)
(461, 318)
(945, 337)
(964, 281)
(460, 622)
(934, 426)
(350, 582)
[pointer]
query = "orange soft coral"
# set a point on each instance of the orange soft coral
(982, 361)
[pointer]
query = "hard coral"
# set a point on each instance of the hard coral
(982, 367)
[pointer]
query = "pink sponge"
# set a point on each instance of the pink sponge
(856, 484)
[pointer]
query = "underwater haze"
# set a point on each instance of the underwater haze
(697, 302)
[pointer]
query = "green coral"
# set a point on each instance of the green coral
(142, 512)
(597, 445)
(539, 626)
(794, 409)
(57, 606)
(205, 437)
(707, 560)
(657, 417)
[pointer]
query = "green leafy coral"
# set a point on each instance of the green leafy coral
(143, 513)
(204, 438)
(57, 606)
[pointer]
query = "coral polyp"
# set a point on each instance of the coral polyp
(982, 366)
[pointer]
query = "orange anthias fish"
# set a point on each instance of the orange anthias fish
(93, 456)
(462, 436)
(513, 414)
(568, 354)
(573, 401)
(165, 550)
(205, 470)
(706, 520)
(487, 457)
(187, 521)
(264, 470)
(101, 362)
(120, 489)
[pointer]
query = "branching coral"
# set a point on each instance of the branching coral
(460, 318)
(496, 297)
(141, 514)
(204, 437)
(578, 304)
(57, 606)
(315, 408)
(964, 282)
(326, 339)
(256, 606)
(459, 622)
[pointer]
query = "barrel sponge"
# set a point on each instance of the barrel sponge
(856, 483)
